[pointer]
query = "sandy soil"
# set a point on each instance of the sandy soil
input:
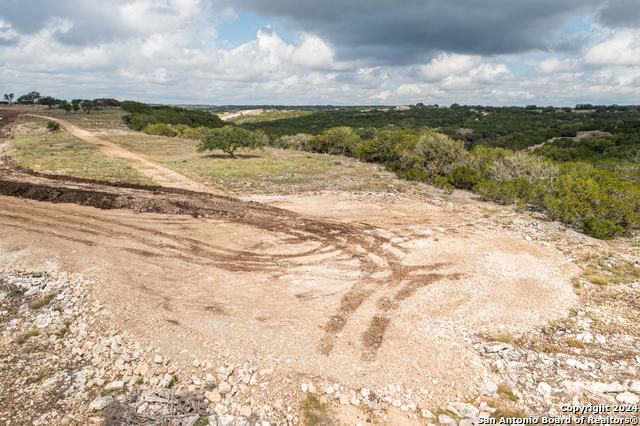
(366, 289)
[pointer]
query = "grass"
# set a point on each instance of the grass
(505, 390)
(268, 171)
(41, 301)
(609, 271)
(575, 343)
(314, 412)
(509, 413)
(503, 336)
(172, 382)
(63, 153)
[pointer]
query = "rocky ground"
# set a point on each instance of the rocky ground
(64, 359)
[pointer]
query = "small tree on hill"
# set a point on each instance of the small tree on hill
(75, 104)
(29, 98)
(228, 139)
(88, 105)
(65, 105)
(9, 97)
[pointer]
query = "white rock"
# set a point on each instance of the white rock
(190, 421)
(213, 396)
(397, 403)
(576, 364)
(627, 398)
(544, 389)
(312, 388)
(100, 402)
(329, 390)
(157, 359)
(344, 399)
(468, 422)
(446, 420)
(634, 386)
(606, 388)
(305, 387)
(365, 392)
(489, 389)
(225, 420)
(117, 385)
(224, 388)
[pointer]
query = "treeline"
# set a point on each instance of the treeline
(501, 127)
(75, 105)
(168, 120)
(602, 203)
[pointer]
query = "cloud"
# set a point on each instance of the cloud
(405, 31)
(620, 13)
(623, 48)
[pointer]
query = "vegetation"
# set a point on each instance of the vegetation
(143, 115)
(229, 139)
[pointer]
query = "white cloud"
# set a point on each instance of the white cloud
(554, 65)
(446, 65)
(623, 48)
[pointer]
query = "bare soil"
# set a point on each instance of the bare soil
(366, 289)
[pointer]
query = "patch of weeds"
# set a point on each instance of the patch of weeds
(38, 275)
(57, 309)
(139, 382)
(505, 389)
(41, 375)
(575, 343)
(204, 421)
(172, 382)
(41, 301)
(28, 349)
(15, 290)
(211, 386)
(503, 336)
(509, 413)
(551, 348)
(314, 412)
(35, 332)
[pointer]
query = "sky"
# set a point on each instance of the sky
(330, 52)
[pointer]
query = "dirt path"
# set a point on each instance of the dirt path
(159, 174)
(361, 289)
(245, 112)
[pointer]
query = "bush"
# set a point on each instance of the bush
(53, 126)
(300, 141)
(160, 129)
(228, 139)
(427, 156)
(337, 141)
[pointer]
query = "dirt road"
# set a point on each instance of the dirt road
(365, 289)
(157, 173)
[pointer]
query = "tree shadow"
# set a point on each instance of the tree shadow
(236, 156)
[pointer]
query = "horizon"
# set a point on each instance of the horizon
(246, 52)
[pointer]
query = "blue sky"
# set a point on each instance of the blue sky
(347, 52)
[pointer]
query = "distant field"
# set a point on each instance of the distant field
(62, 153)
(265, 171)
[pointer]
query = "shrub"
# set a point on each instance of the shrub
(53, 126)
(300, 141)
(160, 129)
(338, 140)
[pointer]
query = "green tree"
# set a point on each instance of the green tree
(65, 105)
(228, 139)
(75, 104)
(29, 98)
(88, 105)
(49, 101)
(9, 97)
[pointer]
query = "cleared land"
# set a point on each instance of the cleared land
(365, 288)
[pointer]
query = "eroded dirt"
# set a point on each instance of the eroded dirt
(364, 289)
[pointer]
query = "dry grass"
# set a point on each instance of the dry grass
(575, 343)
(63, 153)
(41, 301)
(315, 413)
(505, 390)
(551, 348)
(503, 336)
